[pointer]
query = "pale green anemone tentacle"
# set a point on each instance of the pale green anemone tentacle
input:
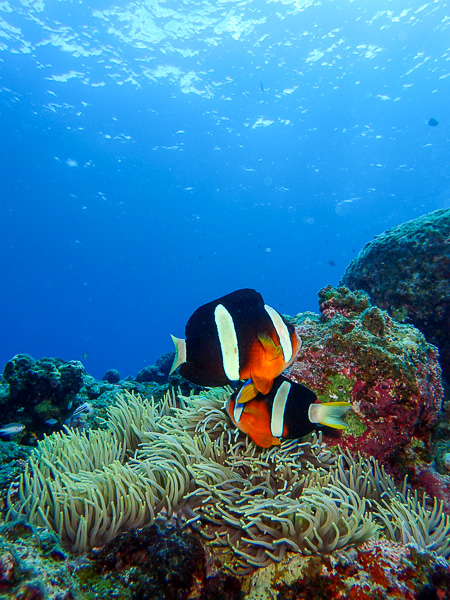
(183, 457)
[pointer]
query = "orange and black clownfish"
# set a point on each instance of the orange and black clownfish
(290, 410)
(236, 337)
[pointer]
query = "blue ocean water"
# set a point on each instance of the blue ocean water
(158, 154)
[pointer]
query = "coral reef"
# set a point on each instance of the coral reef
(158, 562)
(378, 569)
(177, 497)
(12, 459)
(47, 377)
(424, 476)
(159, 372)
(406, 271)
(42, 394)
(33, 566)
(389, 372)
(169, 500)
(182, 458)
(38, 391)
(111, 376)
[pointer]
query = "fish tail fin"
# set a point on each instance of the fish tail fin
(329, 413)
(180, 353)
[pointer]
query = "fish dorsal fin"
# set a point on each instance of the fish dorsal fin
(271, 350)
(247, 392)
(180, 353)
(329, 413)
(245, 296)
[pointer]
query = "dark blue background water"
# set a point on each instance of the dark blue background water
(155, 156)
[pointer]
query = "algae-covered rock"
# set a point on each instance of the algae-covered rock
(377, 570)
(111, 376)
(44, 378)
(389, 372)
(159, 374)
(155, 563)
(12, 459)
(33, 566)
(39, 393)
(406, 271)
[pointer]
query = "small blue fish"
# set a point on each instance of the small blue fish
(51, 422)
(11, 428)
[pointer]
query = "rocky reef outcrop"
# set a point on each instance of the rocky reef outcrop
(389, 372)
(33, 565)
(406, 271)
(42, 394)
(163, 562)
(376, 570)
(39, 393)
(156, 563)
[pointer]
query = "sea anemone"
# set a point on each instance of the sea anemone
(182, 457)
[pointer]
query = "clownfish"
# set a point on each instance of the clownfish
(236, 337)
(290, 410)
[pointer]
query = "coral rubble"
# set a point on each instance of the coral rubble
(406, 271)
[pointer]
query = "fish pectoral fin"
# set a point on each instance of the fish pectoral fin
(262, 384)
(247, 392)
(329, 413)
(265, 440)
(180, 353)
(250, 409)
(271, 350)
